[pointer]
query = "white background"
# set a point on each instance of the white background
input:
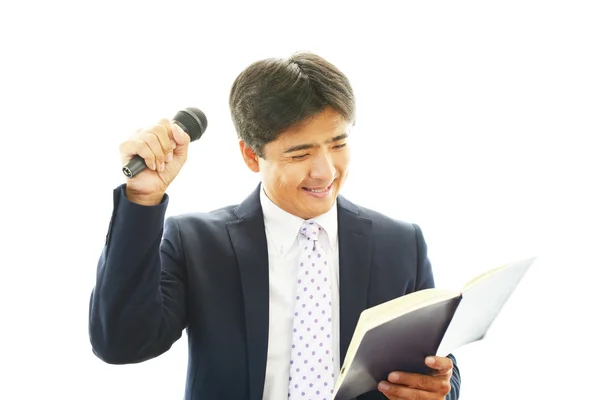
(477, 120)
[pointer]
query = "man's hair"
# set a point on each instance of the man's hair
(275, 94)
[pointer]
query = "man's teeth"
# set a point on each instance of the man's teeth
(318, 190)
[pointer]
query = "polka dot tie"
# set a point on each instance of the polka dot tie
(311, 365)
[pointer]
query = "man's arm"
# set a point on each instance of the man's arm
(454, 381)
(137, 307)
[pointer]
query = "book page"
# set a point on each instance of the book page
(404, 304)
(482, 300)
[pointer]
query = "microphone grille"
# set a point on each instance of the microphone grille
(192, 121)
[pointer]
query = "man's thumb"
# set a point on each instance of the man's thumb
(181, 138)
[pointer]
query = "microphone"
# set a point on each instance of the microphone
(191, 120)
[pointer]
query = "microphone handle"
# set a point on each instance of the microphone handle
(134, 166)
(137, 163)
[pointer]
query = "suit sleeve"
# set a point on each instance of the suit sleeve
(424, 281)
(137, 306)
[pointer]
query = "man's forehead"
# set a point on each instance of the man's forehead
(315, 138)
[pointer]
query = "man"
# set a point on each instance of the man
(246, 281)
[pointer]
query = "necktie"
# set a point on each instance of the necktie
(311, 365)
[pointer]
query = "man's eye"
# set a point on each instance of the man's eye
(299, 157)
(339, 146)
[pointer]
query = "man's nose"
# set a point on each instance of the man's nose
(322, 167)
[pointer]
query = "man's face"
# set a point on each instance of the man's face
(304, 169)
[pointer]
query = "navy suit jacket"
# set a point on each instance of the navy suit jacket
(208, 273)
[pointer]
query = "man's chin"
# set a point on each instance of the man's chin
(314, 210)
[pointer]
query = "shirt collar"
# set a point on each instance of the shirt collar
(283, 227)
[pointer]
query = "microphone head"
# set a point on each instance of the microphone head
(192, 121)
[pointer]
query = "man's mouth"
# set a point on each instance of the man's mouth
(319, 191)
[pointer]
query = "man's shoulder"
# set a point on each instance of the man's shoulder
(382, 223)
(219, 216)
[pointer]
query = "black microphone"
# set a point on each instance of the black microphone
(191, 120)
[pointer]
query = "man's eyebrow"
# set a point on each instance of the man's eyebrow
(299, 147)
(338, 137)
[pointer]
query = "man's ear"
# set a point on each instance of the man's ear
(250, 157)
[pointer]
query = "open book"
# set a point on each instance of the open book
(399, 334)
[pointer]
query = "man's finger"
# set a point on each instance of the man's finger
(399, 392)
(441, 365)
(418, 381)
(180, 136)
(168, 127)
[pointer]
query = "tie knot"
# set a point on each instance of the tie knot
(310, 230)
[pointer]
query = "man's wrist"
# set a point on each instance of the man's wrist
(152, 199)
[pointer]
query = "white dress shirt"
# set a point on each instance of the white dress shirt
(282, 230)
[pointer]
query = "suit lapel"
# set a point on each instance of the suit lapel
(355, 259)
(250, 246)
